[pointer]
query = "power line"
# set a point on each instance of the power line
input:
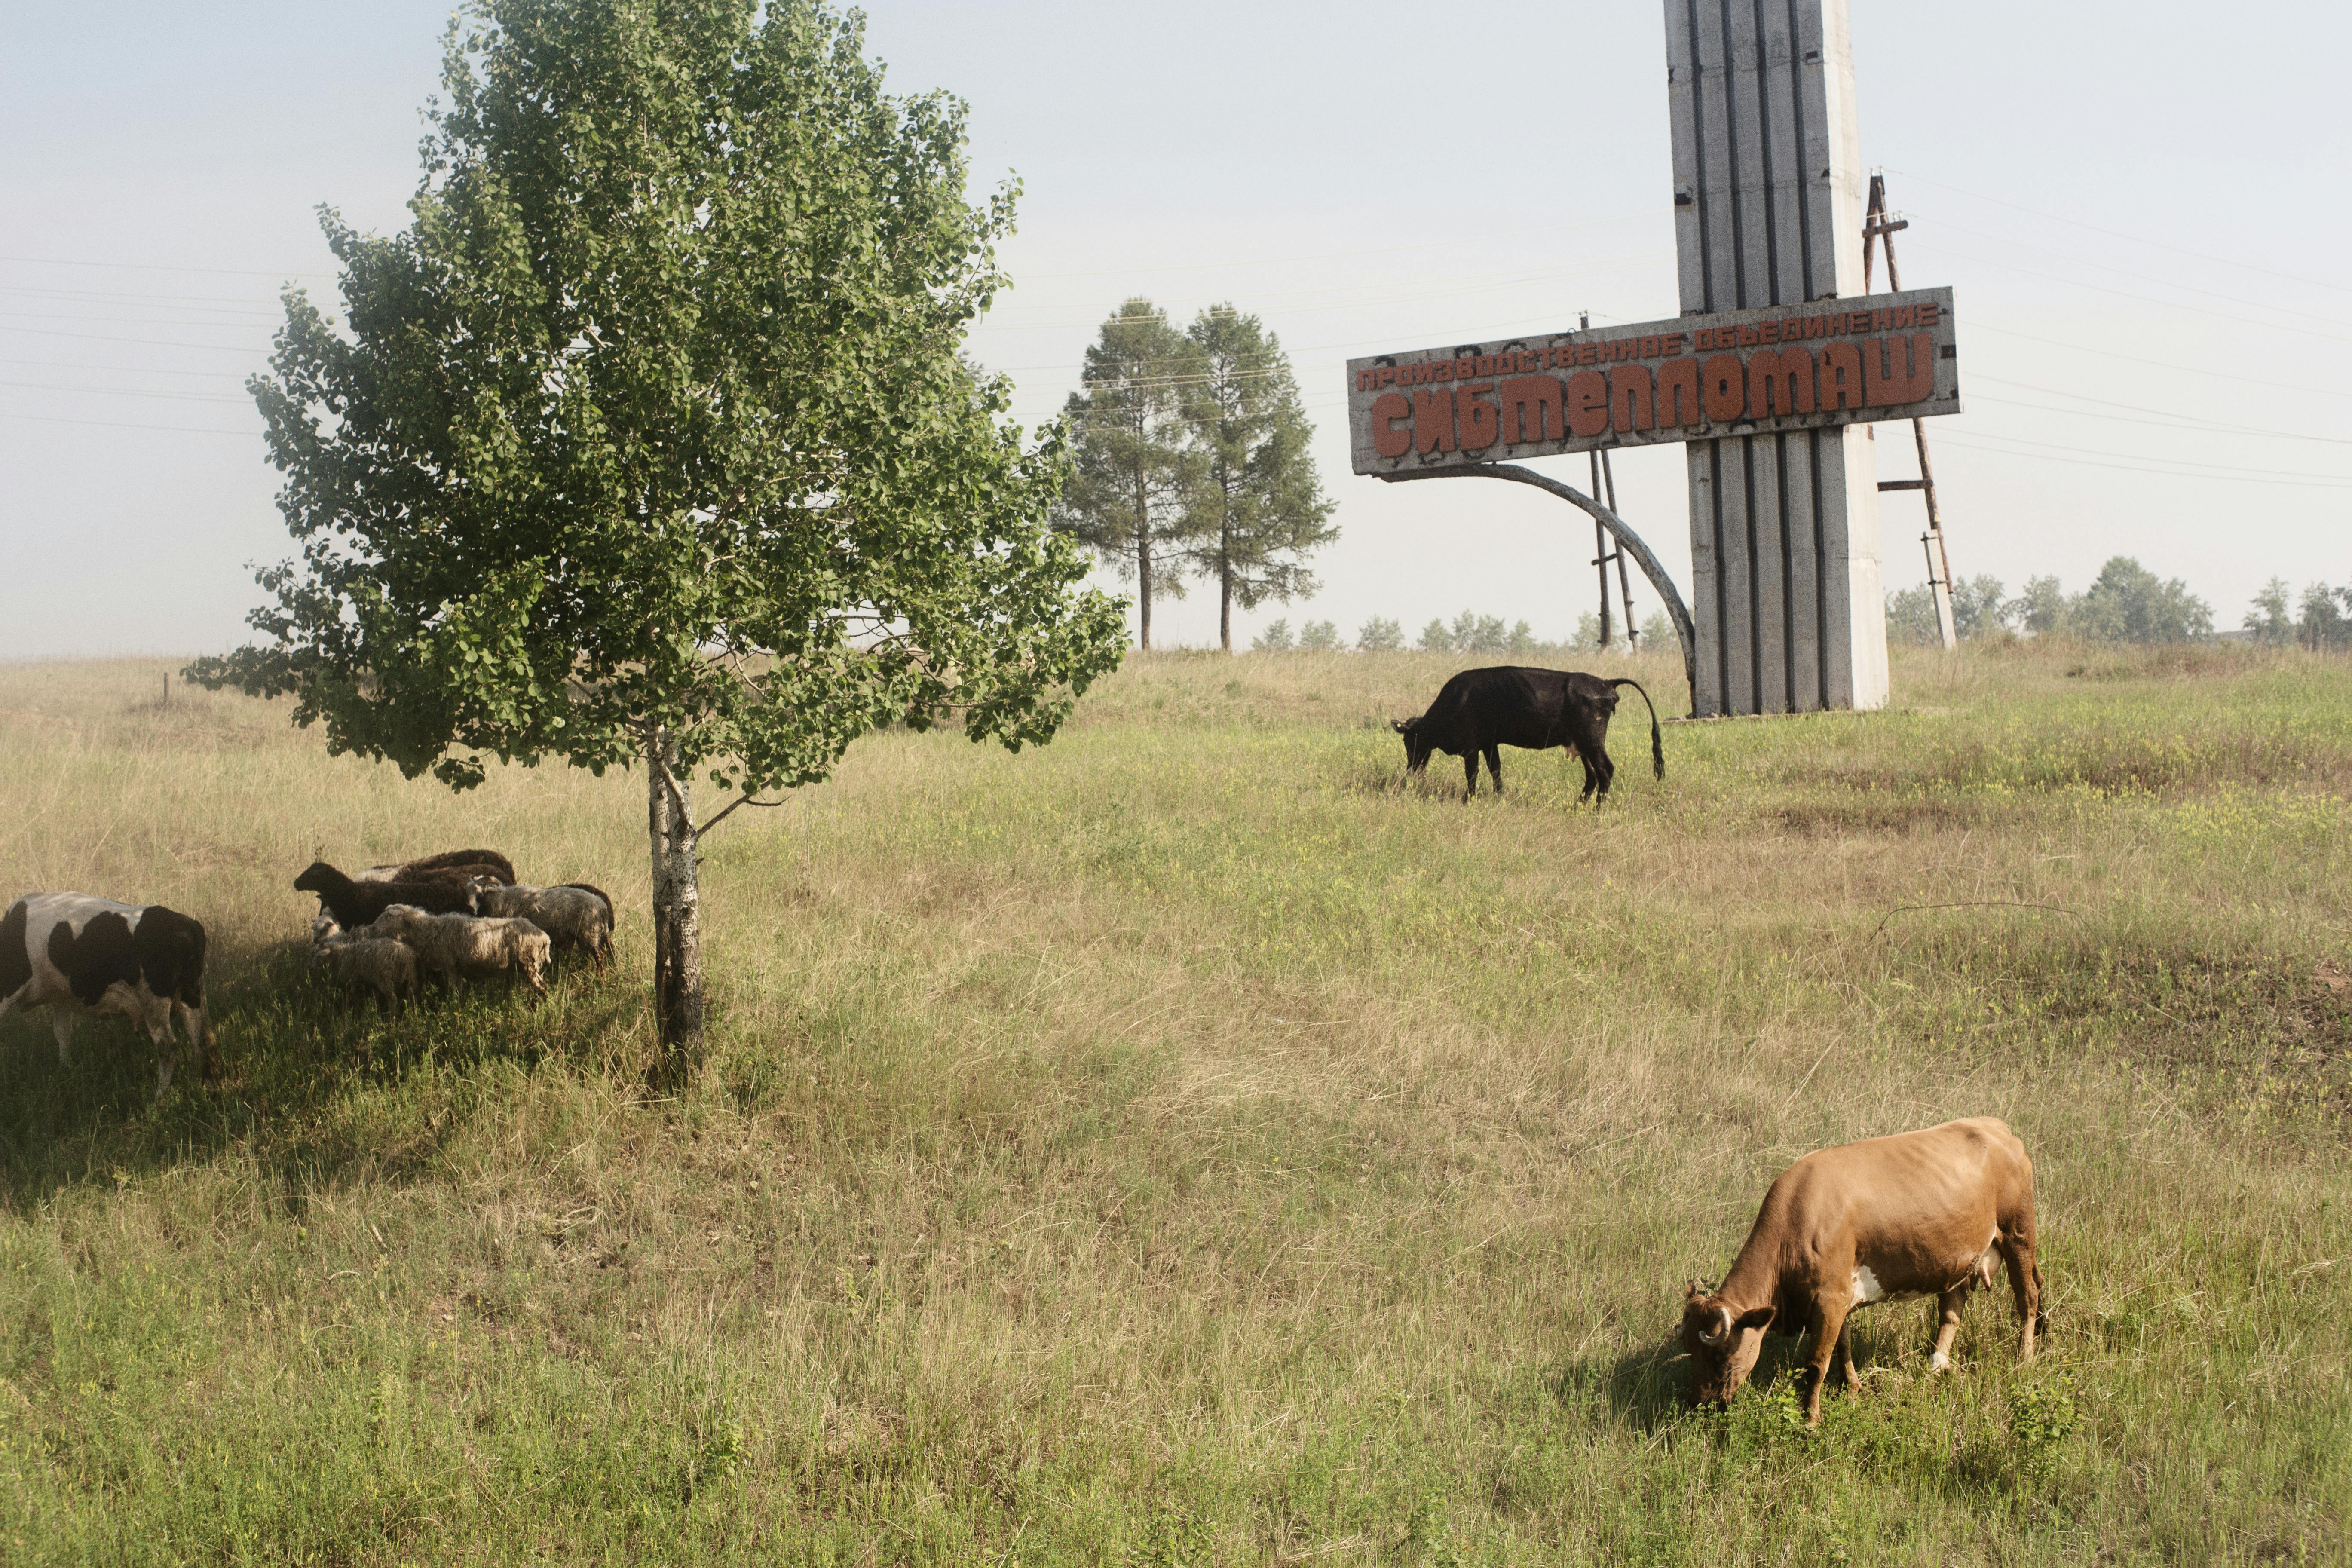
(1326, 256)
(1413, 298)
(2119, 234)
(131, 320)
(150, 343)
(235, 376)
(156, 266)
(78, 295)
(2143, 276)
(2138, 468)
(131, 391)
(2152, 300)
(2177, 463)
(1513, 274)
(2162, 364)
(120, 425)
(2167, 421)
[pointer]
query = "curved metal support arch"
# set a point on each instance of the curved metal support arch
(1626, 539)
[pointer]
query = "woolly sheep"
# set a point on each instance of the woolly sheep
(573, 915)
(468, 862)
(449, 945)
(384, 966)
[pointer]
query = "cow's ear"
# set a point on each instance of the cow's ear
(1698, 1291)
(1754, 1318)
(1398, 725)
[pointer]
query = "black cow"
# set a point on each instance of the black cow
(1481, 709)
(76, 954)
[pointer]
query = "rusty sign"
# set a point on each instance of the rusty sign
(1731, 372)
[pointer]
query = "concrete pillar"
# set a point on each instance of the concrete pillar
(1768, 211)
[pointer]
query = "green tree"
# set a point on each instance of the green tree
(2322, 623)
(649, 440)
(2128, 603)
(1474, 633)
(1136, 473)
(1435, 638)
(1275, 639)
(2039, 609)
(2268, 618)
(1257, 509)
(1977, 610)
(1379, 634)
(1319, 636)
(1911, 615)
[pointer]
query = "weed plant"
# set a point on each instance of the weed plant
(1195, 1142)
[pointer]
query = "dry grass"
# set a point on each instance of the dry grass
(1188, 1144)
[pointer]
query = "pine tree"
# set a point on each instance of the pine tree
(1257, 508)
(1135, 474)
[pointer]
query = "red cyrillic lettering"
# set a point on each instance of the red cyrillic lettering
(1840, 378)
(1677, 396)
(1629, 398)
(1588, 402)
(1530, 409)
(1723, 388)
(1433, 420)
(1480, 420)
(1786, 377)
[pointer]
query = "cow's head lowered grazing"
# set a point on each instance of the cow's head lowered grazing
(1723, 1348)
(1416, 745)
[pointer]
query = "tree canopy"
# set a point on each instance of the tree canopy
(651, 438)
(1136, 467)
(1257, 508)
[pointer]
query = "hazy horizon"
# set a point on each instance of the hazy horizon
(2145, 289)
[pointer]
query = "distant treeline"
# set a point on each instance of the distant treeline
(2125, 604)
(1468, 633)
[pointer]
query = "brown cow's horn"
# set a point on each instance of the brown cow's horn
(1721, 1335)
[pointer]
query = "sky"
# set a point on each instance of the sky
(2133, 204)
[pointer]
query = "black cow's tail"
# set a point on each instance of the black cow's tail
(1658, 746)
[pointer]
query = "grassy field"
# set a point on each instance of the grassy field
(1190, 1144)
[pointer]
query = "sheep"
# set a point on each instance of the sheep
(358, 959)
(573, 915)
(449, 945)
(384, 966)
(464, 862)
(355, 904)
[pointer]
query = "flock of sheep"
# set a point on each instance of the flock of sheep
(450, 916)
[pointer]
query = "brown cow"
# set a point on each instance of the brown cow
(1919, 1214)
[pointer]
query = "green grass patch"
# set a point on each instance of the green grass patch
(1195, 1142)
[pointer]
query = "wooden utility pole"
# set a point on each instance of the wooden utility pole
(1877, 227)
(1604, 550)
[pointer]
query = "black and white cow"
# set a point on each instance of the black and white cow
(74, 954)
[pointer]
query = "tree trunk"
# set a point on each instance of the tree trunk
(1225, 588)
(1143, 589)
(677, 902)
